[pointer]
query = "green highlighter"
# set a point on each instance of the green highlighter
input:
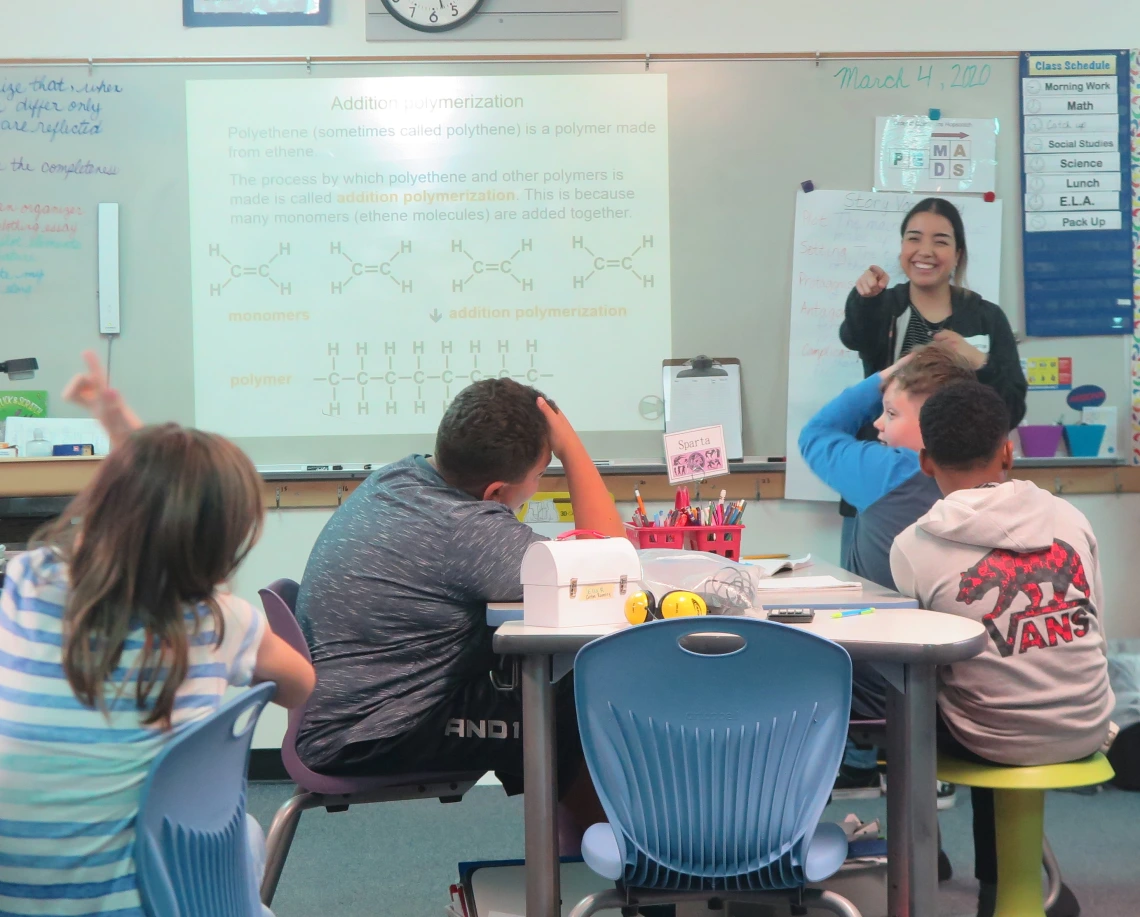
(854, 613)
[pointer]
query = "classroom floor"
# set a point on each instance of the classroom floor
(398, 859)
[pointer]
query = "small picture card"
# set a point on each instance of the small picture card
(692, 455)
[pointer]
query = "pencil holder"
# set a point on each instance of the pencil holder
(717, 539)
(658, 536)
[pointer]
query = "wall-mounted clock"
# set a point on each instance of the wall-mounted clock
(432, 15)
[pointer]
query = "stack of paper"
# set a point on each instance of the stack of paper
(807, 584)
(772, 566)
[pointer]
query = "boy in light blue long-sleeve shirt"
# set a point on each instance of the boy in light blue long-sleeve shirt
(882, 480)
(885, 484)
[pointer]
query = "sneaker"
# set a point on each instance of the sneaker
(946, 793)
(857, 783)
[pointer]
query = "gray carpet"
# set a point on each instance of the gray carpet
(398, 859)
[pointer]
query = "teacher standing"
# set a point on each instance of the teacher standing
(883, 325)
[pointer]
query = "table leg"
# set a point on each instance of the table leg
(921, 705)
(540, 799)
(898, 813)
(912, 806)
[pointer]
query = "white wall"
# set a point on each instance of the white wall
(146, 28)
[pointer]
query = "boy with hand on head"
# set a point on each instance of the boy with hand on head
(395, 593)
(1024, 563)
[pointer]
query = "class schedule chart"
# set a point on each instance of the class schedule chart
(1076, 179)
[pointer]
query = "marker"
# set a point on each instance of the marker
(317, 468)
(854, 613)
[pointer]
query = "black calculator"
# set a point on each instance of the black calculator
(791, 615)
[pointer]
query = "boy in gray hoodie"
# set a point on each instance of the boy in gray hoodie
(1024, 564)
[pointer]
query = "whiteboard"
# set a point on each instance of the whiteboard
(838, 235)
(742, 136)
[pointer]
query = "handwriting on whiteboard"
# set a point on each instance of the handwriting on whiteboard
(58, 220)
(54, 107)
(25, 166)
(903, 76)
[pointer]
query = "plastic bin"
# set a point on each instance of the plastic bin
(658, 536)
(1039, 440)
(715, 539)
(1084, 439)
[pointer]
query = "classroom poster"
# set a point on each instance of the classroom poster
(914, 153)
(1076, 178)
(1134, 107)
(23, 404)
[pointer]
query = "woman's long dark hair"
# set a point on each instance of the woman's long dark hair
(168, 518)
(945, 209)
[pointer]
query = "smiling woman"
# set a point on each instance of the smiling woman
(884, 324)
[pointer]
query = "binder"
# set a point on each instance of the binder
(704, 392)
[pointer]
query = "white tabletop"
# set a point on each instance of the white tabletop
(821, 599)
(888, 635)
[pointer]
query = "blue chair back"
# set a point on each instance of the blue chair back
(191, 851)
(713, 769)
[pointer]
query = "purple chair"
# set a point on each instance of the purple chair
(334, 794)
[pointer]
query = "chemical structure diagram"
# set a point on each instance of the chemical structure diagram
(479, 268)
(360, 269)
(600, 264)
(237, 271)
(406, 377)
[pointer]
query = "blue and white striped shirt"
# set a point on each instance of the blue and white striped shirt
(70, 776)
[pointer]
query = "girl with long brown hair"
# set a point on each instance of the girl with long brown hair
(116, 632)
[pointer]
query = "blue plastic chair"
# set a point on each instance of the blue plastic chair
(713, 744)
(191, 850)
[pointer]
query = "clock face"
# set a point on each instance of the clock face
(432, 15)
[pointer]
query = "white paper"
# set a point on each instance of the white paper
(770, 567)
(913, 153)
(699, 401)
(979, 341)
(58, 431)
(693, 455)
(808, 583)
(838, 235)
(1105, 414)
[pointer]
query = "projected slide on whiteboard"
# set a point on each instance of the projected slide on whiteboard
(365, 248)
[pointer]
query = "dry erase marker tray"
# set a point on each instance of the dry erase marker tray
(715, 539)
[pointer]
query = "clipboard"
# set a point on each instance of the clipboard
(704, 392)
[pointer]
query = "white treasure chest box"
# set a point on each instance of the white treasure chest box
(578, 583)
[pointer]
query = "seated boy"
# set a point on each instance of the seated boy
(884, 483)
(395, 592)
(1024, 563)
(881, 480)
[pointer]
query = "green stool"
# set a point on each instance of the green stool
(1019, 813)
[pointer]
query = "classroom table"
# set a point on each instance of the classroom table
(905, 644)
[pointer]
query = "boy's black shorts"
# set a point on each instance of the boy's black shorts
(479, 729)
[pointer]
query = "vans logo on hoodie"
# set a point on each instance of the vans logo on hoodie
(1011, 573)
